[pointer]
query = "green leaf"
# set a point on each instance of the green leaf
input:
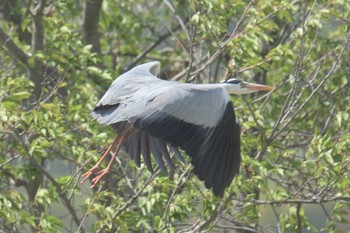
(21, 95)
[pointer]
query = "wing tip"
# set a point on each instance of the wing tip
(153, 67)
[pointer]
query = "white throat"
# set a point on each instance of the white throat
(236, 89)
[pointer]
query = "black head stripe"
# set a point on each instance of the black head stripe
(233, 81)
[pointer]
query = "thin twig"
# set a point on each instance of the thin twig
(178, 185)
(222, 207)
(220, 49)
(131, 201)
(160, 39)
(9, 160)
(327, 76)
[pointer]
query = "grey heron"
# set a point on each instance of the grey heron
(154, 116)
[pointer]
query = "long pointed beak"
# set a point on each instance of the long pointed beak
(258, 87)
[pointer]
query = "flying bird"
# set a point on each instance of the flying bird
(155, 117)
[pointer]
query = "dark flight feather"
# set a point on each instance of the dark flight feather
(143, 144)
(217, 148)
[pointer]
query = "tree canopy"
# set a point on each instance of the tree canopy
(58, 57)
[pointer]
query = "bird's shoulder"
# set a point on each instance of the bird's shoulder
(202, 105)
(188, 91)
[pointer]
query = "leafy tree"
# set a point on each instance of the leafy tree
(58, 57)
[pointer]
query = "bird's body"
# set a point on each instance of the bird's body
(164, 115)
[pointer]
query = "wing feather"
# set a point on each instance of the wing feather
(157, 154)
(142, 143)
(165, 154)
(177, 153)
(210, 148)
(145, 148)
(134, 146)
(198, 118)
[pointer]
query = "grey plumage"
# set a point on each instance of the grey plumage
(196, 118)
(140, 94)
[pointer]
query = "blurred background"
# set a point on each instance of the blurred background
(57, 58)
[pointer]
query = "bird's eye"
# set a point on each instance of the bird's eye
(234, 81)
(243, 84)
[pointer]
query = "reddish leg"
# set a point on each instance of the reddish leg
(104, 171)
(87, 174)
(119, 140)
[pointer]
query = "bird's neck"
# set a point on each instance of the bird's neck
(232, 89)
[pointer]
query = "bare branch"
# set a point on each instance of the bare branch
(324, 79)
(179, 19)
(160, 39)
(219, 51)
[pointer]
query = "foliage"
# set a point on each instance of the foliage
(295, 140)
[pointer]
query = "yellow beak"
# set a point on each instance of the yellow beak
(258, 87)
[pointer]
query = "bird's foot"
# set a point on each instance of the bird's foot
(103, 172)
(97, 179)
(87, 174)
(99, 176)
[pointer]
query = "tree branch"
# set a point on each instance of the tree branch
(274, 134)
(312, 200)
(131, 201)
(299, 220)
(199, 227)
(11, 48)
(38, 27)
(219, 51)
(60, 193)
(11, 13)
(48, 175)
(160, 39)
(90, 24)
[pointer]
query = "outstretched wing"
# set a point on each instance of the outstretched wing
(197, 118)
(214, 149)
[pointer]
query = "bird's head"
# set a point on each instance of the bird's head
(236, 86)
